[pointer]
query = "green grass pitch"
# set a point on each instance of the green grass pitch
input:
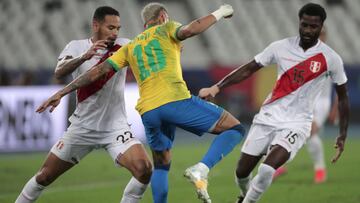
(96, 179)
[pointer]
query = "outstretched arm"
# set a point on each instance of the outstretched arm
(344, 114)
(201, 24)
(88, 77)
(236, 76)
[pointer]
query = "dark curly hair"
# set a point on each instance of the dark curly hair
(312, 9)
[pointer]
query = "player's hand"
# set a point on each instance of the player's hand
(53, 101)
(339, 146)
(209, 93)
(225, 11)
(94, 49)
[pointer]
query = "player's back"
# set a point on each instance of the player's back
(154, 57)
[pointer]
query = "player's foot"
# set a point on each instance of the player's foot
(240, 199)
(279, 172)
(320, 176)
(197, 175)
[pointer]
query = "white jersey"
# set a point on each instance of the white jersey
(100, 105)
(326, 91)
(302, 77)
(323, 105)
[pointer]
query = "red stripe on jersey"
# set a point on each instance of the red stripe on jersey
(298, 75)
(86, 91)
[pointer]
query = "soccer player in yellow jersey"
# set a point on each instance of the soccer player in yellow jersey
(165, 101)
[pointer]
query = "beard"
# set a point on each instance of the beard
(110, 43)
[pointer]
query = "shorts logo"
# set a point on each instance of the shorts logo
(60, 145)
(315, 66)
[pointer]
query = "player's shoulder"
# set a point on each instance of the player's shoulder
(171, 24)
(328, 50)
(330, 53)
(122, 41)
(281, 43)
(78, 43)
(290, 42)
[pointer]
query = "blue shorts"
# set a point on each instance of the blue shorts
(194, 115)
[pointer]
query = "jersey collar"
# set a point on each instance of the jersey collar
(297, 45)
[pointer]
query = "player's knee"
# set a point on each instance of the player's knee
(44, 177)
(161, 158)
(162, 166)
(242, 172)
(240, 132)
(244, 169)
(142, 170)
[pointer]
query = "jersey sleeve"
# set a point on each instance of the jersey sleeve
(172, 27)
(119, 59)
(267, 56)
(69, 50)
(337, 71)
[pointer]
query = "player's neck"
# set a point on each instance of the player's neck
(152, 25)
(94, 38)
(305, 46)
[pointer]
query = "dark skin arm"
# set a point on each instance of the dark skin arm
(239, 74)
(236, 76)
(88, 77)
(344, 114)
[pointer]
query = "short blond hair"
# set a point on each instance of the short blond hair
(151, 11)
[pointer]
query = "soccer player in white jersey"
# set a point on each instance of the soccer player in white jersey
(280, 129)
(314, 144)
(99, 120)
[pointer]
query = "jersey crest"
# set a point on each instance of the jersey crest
(315, 66)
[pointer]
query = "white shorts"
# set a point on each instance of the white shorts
(77, 142)
(321, 111)
(261, 137)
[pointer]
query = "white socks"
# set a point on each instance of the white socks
(133, 192)
(203, 168)
(243, 183)
(260, 183)
(30, 192)
(315, 148)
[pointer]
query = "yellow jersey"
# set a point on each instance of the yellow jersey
(154, 58)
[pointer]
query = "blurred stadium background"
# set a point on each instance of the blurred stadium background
(32, 34)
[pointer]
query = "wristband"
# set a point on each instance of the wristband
(217, 14)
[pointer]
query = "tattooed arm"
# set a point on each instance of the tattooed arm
(86, 78)
(201, 24)
(68, 64)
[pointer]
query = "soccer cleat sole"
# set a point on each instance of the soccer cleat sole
(200, 185)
